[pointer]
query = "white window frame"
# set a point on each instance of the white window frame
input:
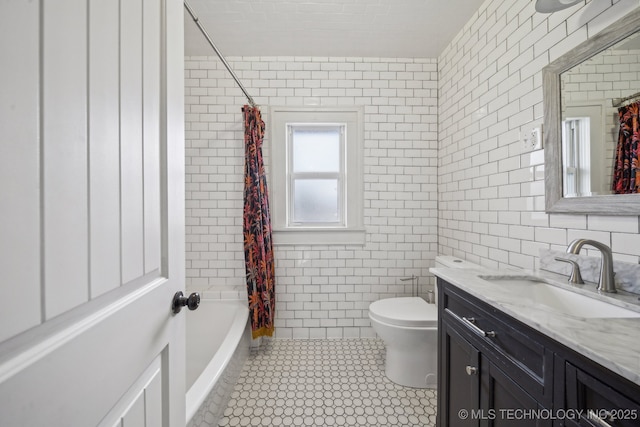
(350, 229)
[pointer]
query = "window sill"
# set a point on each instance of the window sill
(319, 236)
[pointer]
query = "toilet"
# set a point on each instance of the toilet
(409, 328)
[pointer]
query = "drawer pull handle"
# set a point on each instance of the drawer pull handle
(470, 322)
(471, 370)
(593, 417)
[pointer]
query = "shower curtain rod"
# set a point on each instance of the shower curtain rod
(616, 102)
(224, 61)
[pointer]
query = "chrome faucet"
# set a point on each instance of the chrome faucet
(607, 283)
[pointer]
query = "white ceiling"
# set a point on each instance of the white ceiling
(361, 28)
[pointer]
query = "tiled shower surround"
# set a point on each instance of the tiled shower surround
(322, 291)
(445, 171)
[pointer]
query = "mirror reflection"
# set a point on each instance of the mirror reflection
(600, 100)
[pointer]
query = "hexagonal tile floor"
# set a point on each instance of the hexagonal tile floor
(337, 382)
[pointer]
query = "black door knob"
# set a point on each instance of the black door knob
(179, 300)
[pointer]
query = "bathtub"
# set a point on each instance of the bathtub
(218, 338)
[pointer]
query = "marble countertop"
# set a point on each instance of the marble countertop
(612, 342)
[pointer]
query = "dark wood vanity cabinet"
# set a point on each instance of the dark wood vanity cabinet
(487, 368)
(476, 388)
(496, 371)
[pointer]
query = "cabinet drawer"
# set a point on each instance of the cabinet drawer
(519, 354)
(599, 404)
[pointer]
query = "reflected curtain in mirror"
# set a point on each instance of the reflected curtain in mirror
(258, 248)
(626, 174)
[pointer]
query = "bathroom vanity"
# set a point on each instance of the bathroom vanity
(511, 354)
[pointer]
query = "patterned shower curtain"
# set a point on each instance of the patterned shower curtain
(626, 172)
(258, 250)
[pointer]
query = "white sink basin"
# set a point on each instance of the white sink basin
(536, 291)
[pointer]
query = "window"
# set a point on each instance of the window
(576, 157)
(316, 174)
(317, 184)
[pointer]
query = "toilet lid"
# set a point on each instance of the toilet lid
(407, 311)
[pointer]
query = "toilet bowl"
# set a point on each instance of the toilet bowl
(409, 328)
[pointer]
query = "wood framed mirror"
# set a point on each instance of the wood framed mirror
(563, 191)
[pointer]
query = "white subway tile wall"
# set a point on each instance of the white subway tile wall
(491, 193)
(322, 291)
(445, 170)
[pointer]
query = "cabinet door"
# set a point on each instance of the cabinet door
(458, 400)
(506, 403)
(597, 404)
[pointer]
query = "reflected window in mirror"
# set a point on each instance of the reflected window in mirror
(577, 159)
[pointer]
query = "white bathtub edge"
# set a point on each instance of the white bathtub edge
(200, 389)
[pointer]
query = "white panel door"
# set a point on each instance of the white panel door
(91, 213)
